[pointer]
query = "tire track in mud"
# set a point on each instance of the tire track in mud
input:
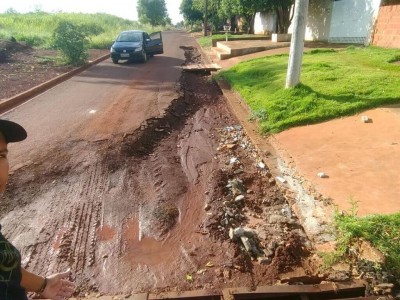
(132, 207)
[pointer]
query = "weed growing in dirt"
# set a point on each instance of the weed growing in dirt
(382, 231)
(334, 84)
(166, 215)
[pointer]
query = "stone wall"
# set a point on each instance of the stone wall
(387, 28)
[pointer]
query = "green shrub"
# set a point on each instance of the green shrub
(72, 41)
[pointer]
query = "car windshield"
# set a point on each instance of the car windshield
(130, 37)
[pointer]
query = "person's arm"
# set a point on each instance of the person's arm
(56, 286)
(31, 282)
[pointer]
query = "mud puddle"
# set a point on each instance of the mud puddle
(185, 202)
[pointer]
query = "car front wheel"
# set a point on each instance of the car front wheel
(144, 56)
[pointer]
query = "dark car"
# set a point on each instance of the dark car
(136, 45)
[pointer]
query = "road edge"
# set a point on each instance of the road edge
(308, 205)
(14, 101)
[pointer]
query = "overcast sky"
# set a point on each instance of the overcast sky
(122, 8)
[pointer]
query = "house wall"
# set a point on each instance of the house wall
(353, 20)
(387, 29)
(265, 23)
(318, 20)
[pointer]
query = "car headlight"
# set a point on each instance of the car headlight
(112, 50)
(138, 49)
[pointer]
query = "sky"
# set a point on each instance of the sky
(122, 8)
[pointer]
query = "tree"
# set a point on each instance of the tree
(284, 13)
(190, 13)
(153, 12)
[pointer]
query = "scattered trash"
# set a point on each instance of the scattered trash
(189, 278)
(209, 264)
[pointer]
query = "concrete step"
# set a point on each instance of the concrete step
(221, 54)
(239, 48)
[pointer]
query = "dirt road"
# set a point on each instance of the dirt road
(133, 176)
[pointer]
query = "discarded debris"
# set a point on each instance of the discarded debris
(281, 179)
(209, 264)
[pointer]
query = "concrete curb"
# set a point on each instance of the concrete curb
(310, 212)
(12, 102)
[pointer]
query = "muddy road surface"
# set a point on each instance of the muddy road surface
(138, 178)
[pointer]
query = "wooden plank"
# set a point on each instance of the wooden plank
(286, 290)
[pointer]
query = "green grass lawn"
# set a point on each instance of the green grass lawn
(36, 28)
(382, 231)
(334, 84)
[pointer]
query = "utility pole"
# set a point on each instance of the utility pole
(297, 43)
(205, 17)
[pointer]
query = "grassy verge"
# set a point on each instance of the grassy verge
(205, 41)
(36, 29)
(382, 231)
(334, 84)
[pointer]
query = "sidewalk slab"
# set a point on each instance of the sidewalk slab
(360, 159)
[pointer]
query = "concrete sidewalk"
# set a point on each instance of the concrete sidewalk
(360, 159)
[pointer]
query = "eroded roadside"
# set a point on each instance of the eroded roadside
(185, 202)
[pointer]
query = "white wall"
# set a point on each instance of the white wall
(264, 22)
(318, 20)
(353, 20)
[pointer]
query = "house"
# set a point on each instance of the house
(335, 21)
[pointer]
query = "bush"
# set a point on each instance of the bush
(72, 41)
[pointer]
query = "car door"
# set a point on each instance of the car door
(155, 43)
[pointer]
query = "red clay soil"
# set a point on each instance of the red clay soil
(25, 67)
(151, 210)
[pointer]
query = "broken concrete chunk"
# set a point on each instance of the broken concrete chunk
(239, 198)
(365, 119)
(246, 243)
(264, 260)
(261, 165)
(281, 179)
(233, 160)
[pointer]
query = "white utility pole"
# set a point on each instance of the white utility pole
(297, 43)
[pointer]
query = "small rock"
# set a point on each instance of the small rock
(322, 175)
(264, 260)
(339, 276)
(231, 146)
(207, 207)
(272, 181)
(233, 160)
(365, 119)
(227, 273)
(218, 272)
